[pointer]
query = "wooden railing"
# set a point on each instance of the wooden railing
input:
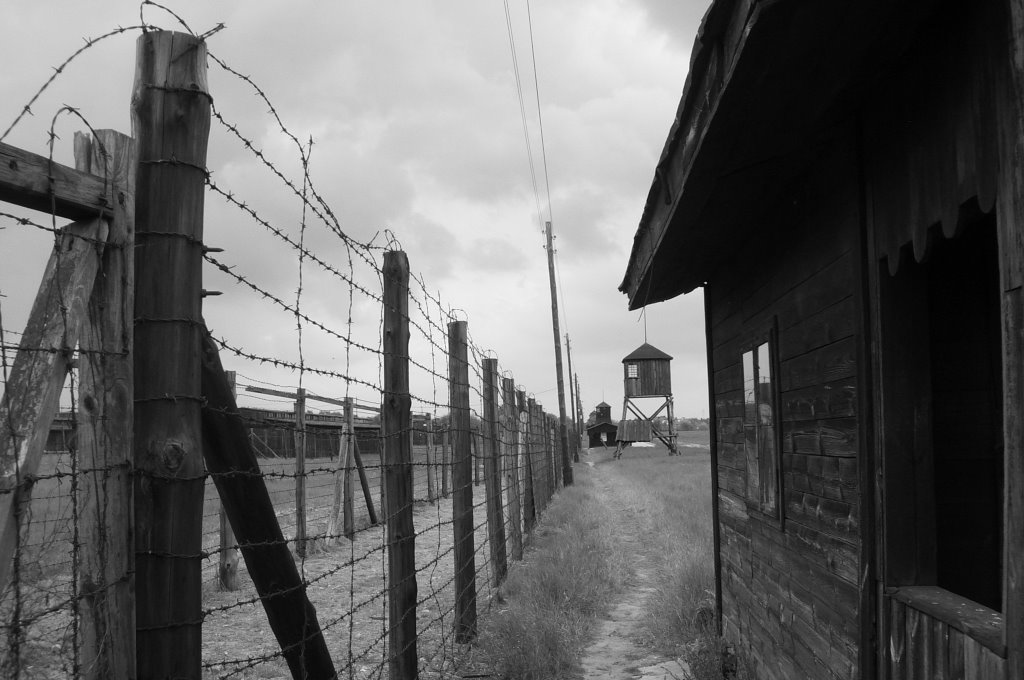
(932, 633)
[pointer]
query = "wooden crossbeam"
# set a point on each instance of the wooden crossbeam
(32, 181)
(309, 397)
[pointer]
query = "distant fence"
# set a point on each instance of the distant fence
(172, 538)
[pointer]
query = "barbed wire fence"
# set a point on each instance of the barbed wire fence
(374, 524)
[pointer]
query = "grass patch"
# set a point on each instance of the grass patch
(552, 598)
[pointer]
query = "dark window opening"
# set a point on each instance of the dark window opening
(942, 416)
(967, 408)
(759, 427)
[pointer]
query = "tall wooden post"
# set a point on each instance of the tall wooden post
(342, 507)
(348, 513)
(529, 497)
(511, 466)
(428, 457)
(445, 458)
(579, 411)
(462, 483)
(492, 471)
(227, 569)
(556, 470)
(171, 118)
(396, 427)
(105, 423)
(564, 458)
(476, 456)
(533, 452)
(299, 435)
(574, 440)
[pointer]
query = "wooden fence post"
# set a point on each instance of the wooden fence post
(105, 424)
(445, 458)
(511, 466)
(556, 469)
(396, 426)
(232, 462)
(529, 497)
(462, 483)
(476, 457)
(536, 468)
(227, 570)
(171, 114)
(492, 471)
(428, 435)
(343, 504)
(299, 437)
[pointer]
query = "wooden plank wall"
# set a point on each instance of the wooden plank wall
(789, 588)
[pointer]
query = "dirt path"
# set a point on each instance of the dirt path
(617, 652)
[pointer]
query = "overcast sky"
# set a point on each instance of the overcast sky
(416, 129)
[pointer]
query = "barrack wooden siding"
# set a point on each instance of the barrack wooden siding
(790, 593)
(846, 181)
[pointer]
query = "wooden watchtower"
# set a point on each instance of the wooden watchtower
(647, 376)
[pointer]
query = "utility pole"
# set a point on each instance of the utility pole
(566, 462)
(579, 403)
(572, 404)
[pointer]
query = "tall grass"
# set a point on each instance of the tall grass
(552, 598)
(657, 529)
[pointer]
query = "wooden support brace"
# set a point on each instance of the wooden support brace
(232, 463)
(34, 384)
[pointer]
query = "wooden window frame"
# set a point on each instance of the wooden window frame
(633, 371)
(766, 336)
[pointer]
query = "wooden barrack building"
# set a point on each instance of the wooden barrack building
(845, 180)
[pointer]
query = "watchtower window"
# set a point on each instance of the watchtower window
(759, 427)
(631, 371)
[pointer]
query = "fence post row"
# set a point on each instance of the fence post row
(462, 482)
(105, 423)
(492, 471)
(511, 464)
(396, 426)
(171, 112)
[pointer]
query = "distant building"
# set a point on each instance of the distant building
(603, 431)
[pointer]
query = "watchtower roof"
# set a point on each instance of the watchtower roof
(646, 351)
(604, 405)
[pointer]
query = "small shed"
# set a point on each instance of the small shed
(843, 181)
(603, 431)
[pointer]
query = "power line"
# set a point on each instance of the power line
(522, 109)
(540, 118)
